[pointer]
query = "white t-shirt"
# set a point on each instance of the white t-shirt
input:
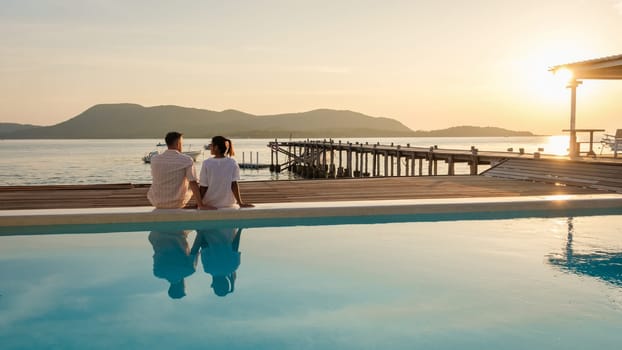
(217, 174)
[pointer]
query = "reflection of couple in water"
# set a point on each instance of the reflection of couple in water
(174, 260)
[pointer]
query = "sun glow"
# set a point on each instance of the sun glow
(534, 77)
(563, 76)
(557, 145)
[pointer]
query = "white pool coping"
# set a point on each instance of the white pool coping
(304, 210)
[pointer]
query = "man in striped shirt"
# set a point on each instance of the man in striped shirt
(173, 175)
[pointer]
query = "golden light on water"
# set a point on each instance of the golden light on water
(557, 145)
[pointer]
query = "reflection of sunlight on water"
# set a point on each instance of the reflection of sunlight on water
(557, 145)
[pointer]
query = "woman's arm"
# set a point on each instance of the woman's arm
(238, 198)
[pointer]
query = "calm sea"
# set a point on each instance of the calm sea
(43, 162)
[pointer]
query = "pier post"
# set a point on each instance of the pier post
(366, 160)
(361, 155)
(420, 166)
(474, 161)
(340, 169)
(356, 172)
(399, 163)
(277, 167)
(450, 165)
(324, 163)
(314, 160)
(386, 163)
(406, 168)
(373, 162)
(412, 164)
(289, 155)
(331, 171)
(430, 160)
(348, 171)
(272, 145)
(392, 165)
(300, 162)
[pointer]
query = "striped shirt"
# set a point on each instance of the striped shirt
(171, 172)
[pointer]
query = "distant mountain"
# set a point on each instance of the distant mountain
(135, 121)
(471, 131)
(120, 121)
(8, 128)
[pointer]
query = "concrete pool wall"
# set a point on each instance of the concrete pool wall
(12, 221)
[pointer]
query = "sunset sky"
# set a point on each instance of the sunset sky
(430, 64)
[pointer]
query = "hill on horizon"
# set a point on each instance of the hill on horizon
(120, 121)
(472, 131)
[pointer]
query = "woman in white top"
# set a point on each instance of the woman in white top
(219, 177)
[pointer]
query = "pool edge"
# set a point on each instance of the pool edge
(15, 219)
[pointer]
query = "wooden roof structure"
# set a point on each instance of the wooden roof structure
(609, 67)
(604, 68)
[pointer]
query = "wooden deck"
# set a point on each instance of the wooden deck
(129, 195)
(600, 176)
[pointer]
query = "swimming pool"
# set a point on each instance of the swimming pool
(511, 283)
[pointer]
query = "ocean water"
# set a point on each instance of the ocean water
(44, 162)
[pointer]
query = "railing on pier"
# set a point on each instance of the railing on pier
(251, 164)
(335, 159)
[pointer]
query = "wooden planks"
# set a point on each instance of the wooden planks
(128, 195)
(602, 176)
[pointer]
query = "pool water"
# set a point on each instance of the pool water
(526, 283)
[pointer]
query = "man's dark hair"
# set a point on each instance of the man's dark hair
(172, 137)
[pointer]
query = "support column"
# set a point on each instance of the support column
(373, 162)
(386, 163)
(430, 161)
(399, 163)
(450, 166)
(272, 156)
(356, 172)
(474, 161)
(348, 172)
(573, 145)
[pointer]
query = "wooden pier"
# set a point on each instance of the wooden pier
(314, 159)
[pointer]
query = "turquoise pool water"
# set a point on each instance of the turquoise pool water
(520, 283)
